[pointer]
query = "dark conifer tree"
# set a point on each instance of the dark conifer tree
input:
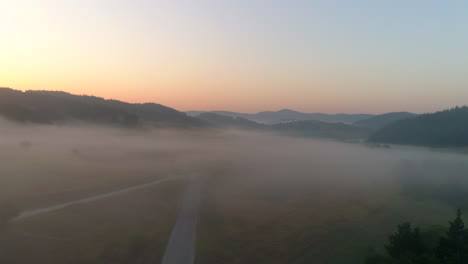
(406, 245)
(453, 248)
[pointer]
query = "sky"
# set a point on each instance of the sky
(348, 56)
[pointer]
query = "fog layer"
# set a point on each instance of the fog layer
(284, 190)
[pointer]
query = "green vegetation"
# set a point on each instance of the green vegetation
(228, 121)
(380, 121)
(307, 128)
(447, 128)
(443, 181)
(270, 223)
(409, 245)
(132, 228)
(135, 249)
(312, 128)
(288, 115)
(442, 129)
(47, 107)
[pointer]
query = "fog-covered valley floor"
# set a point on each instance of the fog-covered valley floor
(265, 198)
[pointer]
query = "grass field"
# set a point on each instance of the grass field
(298, 209)
(131, 228)
(266, 199)
(47, 165)
(297, 227)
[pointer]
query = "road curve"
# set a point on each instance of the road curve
(181, 246)
(35, 212)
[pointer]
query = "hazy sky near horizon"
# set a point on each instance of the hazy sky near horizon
(244, 55)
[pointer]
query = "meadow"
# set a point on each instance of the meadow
(311, 201)
(266, 198)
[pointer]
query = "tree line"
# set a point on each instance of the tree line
(411, 245)
(48, 107)
(447, 128)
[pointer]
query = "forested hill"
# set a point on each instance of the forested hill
(312, 128)
(308, 128)
(287, 115)
(447, 128)
(230, 122)
(60, 107)
(380, 121)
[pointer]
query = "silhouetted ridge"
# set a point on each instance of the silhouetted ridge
(311, 128)
(58, 107)
(447, 128)
(230, 122)
(287, 115)
(308, 128)
(379, 121)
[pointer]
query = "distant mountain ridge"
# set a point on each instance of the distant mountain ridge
(61, 107)
(313, 128)
(380, 121)
(447, 128)
(287, 115)
(302, 128)
(224, 121)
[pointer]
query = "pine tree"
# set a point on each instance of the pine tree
(406, 245)
(453, 248)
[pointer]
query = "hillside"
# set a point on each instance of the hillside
(286, 115)
(379, 121)
(59, 107)
(229, 122)
(447, 128)
(310, 128)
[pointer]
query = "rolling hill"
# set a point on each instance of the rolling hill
(286, 115)
(307, 128)
(218, 120)
(312, 128)
(379, 121)
(447, 128)
(49, 107)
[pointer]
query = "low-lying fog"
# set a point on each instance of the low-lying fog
(43, 162)
(276, 189)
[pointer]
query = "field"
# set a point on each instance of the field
(132, 228)
(43, 166)
(266, 199)
(297, 208)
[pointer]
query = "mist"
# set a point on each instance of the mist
(279, 190)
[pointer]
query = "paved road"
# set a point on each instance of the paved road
(34, 212)
(181, 246)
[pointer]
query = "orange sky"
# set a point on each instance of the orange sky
(216, 55)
